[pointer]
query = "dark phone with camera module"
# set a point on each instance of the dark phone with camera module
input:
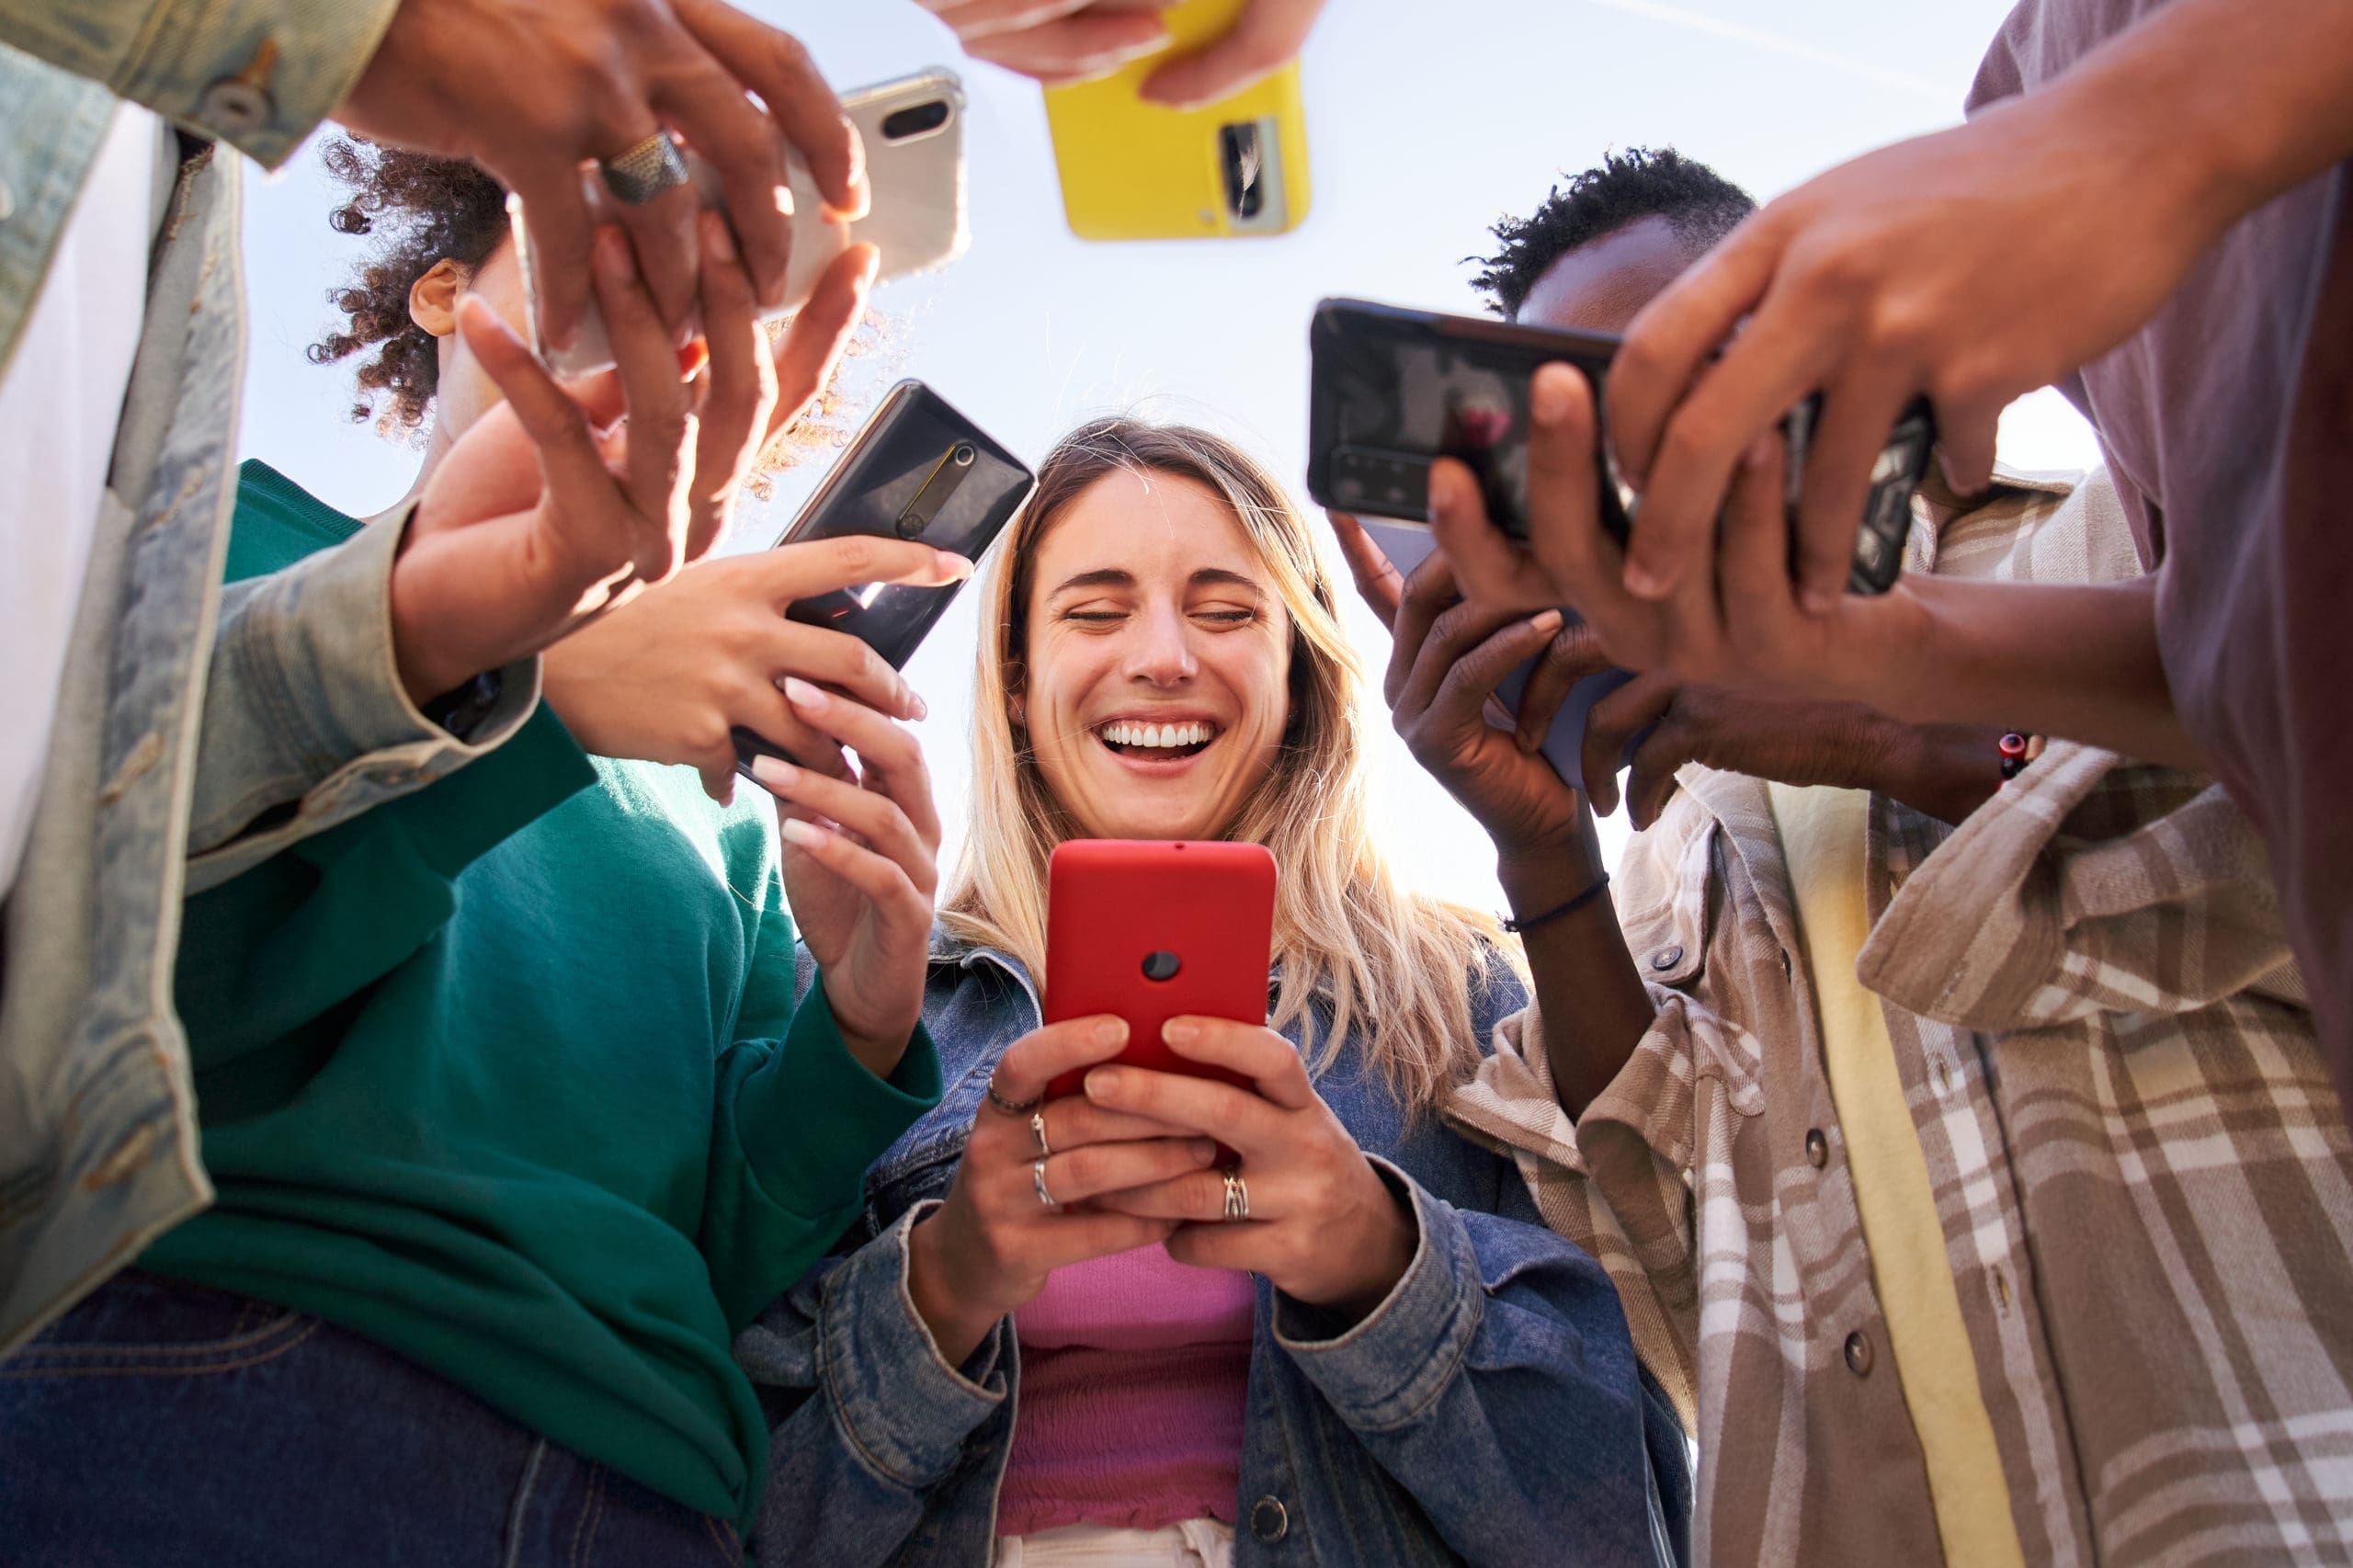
(1394, 390)
(918, 470)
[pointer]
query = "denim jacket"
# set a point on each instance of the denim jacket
(196, 732)
(1489, 1411)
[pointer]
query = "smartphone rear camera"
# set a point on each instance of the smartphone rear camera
(1161, 965)
(916, 119)
(1244, 161)
(963, 455)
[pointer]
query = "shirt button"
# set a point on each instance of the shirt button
(1817, 1148)
(233, 105)
(1269, 1520)
(1787, 968)
(1666, 958)
(1858, 1354)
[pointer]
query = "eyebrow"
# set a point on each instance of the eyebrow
(1118, 577)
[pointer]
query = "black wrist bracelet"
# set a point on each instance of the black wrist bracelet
(1515, 924)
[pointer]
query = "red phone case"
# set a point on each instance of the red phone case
(1117, 904)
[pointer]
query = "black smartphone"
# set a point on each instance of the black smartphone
(1392, 391)
(918, 470)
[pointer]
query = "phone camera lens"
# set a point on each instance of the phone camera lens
(1161, 966)
(916, 119)
(963, 455)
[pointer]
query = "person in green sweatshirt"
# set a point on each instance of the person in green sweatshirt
(513, 1115)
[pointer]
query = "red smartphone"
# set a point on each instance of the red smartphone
(1149, 930)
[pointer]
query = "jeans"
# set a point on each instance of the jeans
(162, 1425)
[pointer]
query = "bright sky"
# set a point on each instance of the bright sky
(1426, 123)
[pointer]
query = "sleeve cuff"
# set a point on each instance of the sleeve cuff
(813, 1066)
(1390, 1367)
(330, 614)
(305, 705)
(258, 74)
(905, 1411)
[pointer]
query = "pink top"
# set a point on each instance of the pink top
(1134, 1372)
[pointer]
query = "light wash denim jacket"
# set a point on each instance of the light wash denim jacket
(197, 733)
(1489, 1411)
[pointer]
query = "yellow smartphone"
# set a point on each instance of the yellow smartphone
(1135, 170)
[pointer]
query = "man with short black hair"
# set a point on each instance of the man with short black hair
(1971, 1164)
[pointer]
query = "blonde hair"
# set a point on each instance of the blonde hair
(1395, 966)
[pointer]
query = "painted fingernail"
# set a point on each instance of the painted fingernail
(1204, 1150)
(717, 237)
(1103, 1081)
(775, 772)
(916, 708)
(800, 694)
(955, 567)
(613, 257)
(804, 834)
(1178, 1031)
(1546, 621)
(1111, 1032)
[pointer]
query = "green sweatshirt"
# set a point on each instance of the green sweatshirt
(507, 1076)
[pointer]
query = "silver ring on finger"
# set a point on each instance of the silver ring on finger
(1038, 1127)
(1045, 1198)
(1013, 1108)
(1237, 1194)
(639, 174)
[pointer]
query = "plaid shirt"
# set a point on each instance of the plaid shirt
(2143, 1175)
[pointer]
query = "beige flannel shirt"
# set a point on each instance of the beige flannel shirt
(2143, 1175)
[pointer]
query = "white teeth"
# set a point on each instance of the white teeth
(1158, 736)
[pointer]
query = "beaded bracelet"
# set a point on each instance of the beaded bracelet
(2017, 750)
(1515, 926)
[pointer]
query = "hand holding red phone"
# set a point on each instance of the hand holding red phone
(988, 1249)
(1316, 1217)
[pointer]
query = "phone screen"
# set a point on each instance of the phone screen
(1395, 390)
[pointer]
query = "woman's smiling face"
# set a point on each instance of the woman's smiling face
(1158, 668)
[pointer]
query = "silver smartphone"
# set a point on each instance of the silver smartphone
(913, 130)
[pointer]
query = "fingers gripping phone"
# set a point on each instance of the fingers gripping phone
(1152, 930)
(1408, 546)
(913, 133)
(1132, 169)
(917, 470)
(1392, 391)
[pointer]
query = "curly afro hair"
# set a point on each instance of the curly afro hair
(1624, 187)
(426, 210)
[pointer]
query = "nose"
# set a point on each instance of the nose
(1162, 653)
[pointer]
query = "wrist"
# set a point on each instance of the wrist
(1535, 878)
(877, 1051)
(1386, 1247)
(951, 1308)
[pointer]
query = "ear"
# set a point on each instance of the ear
(433, 299)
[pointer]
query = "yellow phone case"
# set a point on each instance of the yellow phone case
(1134, 170)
